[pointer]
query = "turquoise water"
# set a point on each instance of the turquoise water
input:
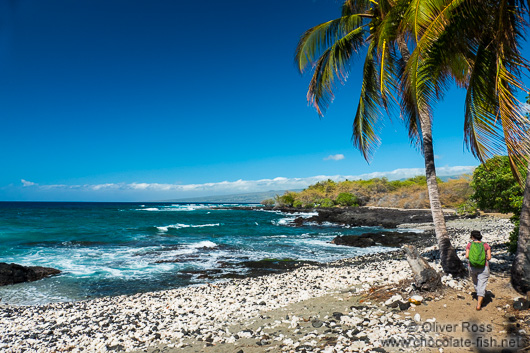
(125, 248)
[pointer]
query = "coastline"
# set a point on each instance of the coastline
(294, 311)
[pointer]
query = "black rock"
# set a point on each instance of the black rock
(13, 273)
(403, 305)
(521, 304)
(371, 217)
(317, 323)
(337, 315)
(391, 239)
(117, 347)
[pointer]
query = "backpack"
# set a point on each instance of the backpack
(477, 254)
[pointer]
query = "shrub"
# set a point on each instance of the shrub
(327, 203)
(297, 204)
(468, 208)
(495, 187)
(286, 200)
(346, 199)
(267, 202)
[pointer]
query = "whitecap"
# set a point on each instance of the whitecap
(283, 221)
(203, 244)
(164, 229)
(206, 225)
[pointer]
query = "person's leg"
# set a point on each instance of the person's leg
(474, 276)
(482, 280)
(479, 302)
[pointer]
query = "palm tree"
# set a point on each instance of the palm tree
(387, 77)
(520, 276)
(478, 44)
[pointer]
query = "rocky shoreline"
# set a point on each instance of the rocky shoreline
(367, 216)
(13, 273)
(336, 307)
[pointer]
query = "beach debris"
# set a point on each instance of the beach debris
(416, 299)
(425, 277)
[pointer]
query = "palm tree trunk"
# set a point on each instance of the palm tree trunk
(521, 264)
(448, 257)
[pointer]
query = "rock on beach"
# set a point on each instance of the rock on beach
(391, 239)
(13, 273)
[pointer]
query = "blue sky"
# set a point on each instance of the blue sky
(127, 100)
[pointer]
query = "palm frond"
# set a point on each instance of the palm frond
(515, 125)
(409, 114)
(350, 7)
(366, 123)
(509, 31)
(333, 64)
(482, 134)
(318, 39)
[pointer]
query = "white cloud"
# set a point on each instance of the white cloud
(168, 191)
(335, 157)
(27, 183)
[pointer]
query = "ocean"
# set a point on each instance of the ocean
(107, 249)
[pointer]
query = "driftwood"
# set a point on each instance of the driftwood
(425, 277)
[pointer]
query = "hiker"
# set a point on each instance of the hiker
(479, 254)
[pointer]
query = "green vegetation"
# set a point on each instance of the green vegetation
(268, 202)
(495, 187)
(347, 199)
(497, 190)
(409, 193)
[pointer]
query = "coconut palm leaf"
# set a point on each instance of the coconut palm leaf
(350, 7)
(333, 64)
(509, 29)
(481, 134)
(367, 119)
(318, 39)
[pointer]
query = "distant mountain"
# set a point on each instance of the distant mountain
(253, 197)
(454, 177)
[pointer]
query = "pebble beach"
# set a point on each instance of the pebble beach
(287, 312)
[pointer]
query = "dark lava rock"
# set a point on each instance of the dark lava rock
(117, 347)
(317, 323)
(521, 304)
(337, 315)
(268, 266)
(203, 274)
(391, 239)
(13, 273)
(373, 217)
(404, 306)
(277, 264)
